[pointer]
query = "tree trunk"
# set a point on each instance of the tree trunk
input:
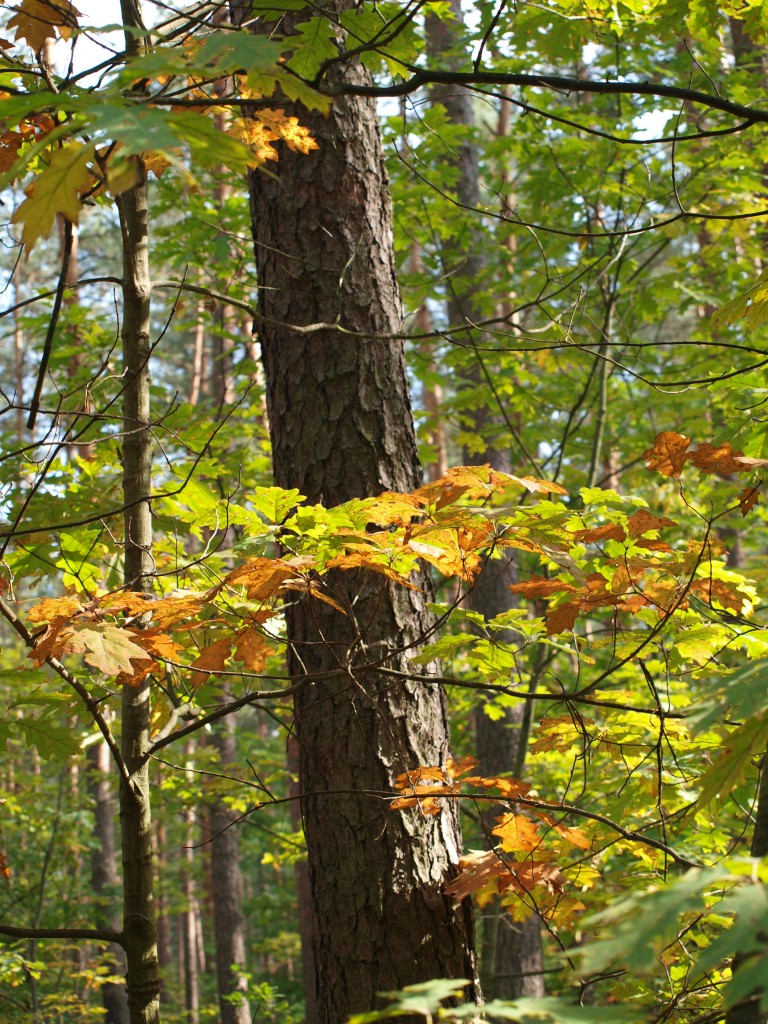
(341, 427)
(104, 877)
(511, 953)
(227, 892)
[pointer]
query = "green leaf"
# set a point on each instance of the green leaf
(51, 740)
(313, 44)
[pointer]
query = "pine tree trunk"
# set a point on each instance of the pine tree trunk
(227, 891)
(341, 427)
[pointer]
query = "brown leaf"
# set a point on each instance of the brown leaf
(361, 560)
(543, 486)
(611, 531)
(38, 20)
(748, 498)
(668, 454)
(642, 522)
(719, 458)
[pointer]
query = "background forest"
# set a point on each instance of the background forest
(309, 715)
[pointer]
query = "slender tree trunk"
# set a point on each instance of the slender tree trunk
(139, 926)
(341, 427)
(511, 953)
(227, 892)
(105, 879)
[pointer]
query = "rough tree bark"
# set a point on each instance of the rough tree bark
(341, 427)
(227, 887)
(511, 953)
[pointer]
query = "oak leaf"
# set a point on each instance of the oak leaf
(668, 454)
(476, 869)
(54, 190)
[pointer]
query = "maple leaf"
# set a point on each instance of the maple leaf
(748, 498)
(574, 836)
(51, 608)
(476, 869)
(108, 648)
(257, 136)
(719, 458)
(211, 659)
(534, 485)
(517, 833)
(251, 649)
(51, 644)
(54, 190)
(669, 453)
(643, 522)
(38, 20)
(563, 617)
(294, 135)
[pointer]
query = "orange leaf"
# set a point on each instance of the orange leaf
(252, 649)
(719, 458)
(508, 788)
(574, 836)
(477, 868)
(748, 498)
(643, 522)
(563, 617)
(517, 833)
(53, 641)
(538, 586)
(51, 608)
(211, 659)
(668, 454)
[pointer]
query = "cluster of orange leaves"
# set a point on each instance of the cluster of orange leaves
(530, 875)
(671, 451)
(451, 539)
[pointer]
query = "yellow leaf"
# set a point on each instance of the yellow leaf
(51, 608)
(256, 135)
(54, 190)
(294, 135)
(517, 833)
